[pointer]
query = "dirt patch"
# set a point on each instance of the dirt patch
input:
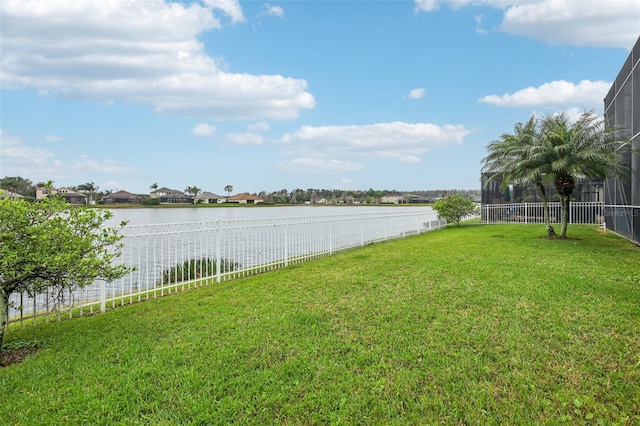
(15, 356)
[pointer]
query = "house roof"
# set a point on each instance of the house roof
(244, 196)
(9, 194)
(166, 190)
(208, 195)
(121, 194)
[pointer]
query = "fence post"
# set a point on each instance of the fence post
(569, 206)
(218, 257)
(103, 296)
(286, 242)
(362, 232)
(331, 236)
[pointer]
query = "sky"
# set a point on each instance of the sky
(269, 95)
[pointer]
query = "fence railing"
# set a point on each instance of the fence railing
(579, 212)
(172, 257)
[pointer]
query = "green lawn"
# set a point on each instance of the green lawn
(471, 325)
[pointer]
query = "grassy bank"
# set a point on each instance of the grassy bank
(476, 325)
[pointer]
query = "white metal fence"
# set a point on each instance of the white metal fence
(170, 257)
(579, 212)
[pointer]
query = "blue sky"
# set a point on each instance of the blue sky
(277, 95)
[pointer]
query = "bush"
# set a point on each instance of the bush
(454, 208)
(194, 269)
(148, 201)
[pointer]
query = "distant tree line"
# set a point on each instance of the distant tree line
(27, 188)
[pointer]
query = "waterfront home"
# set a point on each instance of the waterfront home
(122, 197)
(245, 198)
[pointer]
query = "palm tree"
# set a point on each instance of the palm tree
(513, 159)
(584, 149)
(193, 190)
(153, 186)
(89, 187)
(228, 189)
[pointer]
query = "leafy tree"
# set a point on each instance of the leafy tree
(51, 246)
(228, 189)
(18, 185)
(454, 208)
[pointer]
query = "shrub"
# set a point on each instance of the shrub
(194, 269)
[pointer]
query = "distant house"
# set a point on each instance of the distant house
(393, 199)
(44, 192)
(417, 199)
(71, 196)
(347, 199)
(210, 198)
(122, 197)
(244, 198)
(171, 196)
(4, 195)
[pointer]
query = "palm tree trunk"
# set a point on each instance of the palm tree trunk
(564, 205)
(545, 207)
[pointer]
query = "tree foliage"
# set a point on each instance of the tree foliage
(511, 159)
(559, 149)
(18, 185)
(193, 191)
(583, 149)
(454, 208)
(52, 246)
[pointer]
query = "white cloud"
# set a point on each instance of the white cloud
(271, 10)
(375, 141)
(52, 138)
(586, 95)
(344, 184)
(563, 22)
(244, 138)
(318, 165)
(18, 159)
(86, 166)
(231, 8)
(431, 5)
(576, 22)
(260, 126)
(142, 51)
(426, 5)
(416, 93)
(204, 129)
(409, 159)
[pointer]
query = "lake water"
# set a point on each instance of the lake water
(155, 216)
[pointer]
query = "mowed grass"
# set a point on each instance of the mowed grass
(471, 325)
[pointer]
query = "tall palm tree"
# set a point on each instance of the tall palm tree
(513, 159)
(228, 189)
(584, 149)
(89, 187)
(193, 190)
